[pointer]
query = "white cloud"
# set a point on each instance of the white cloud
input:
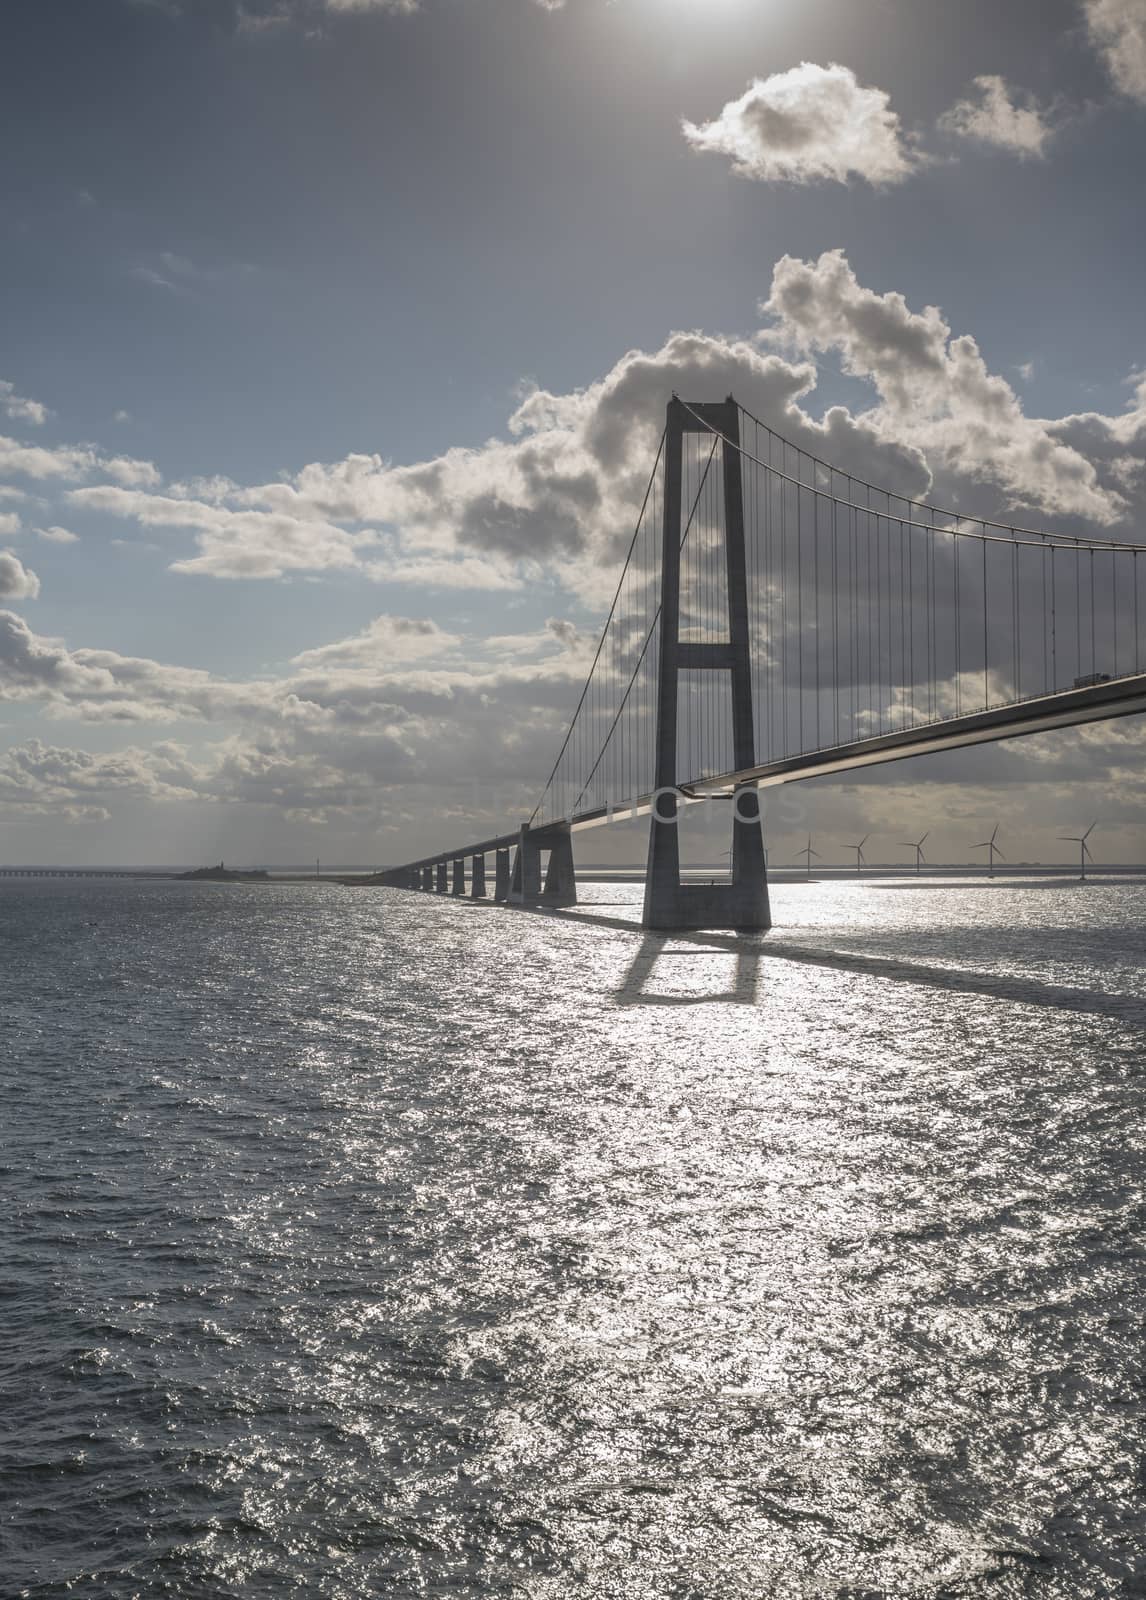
(9, 523)
(996, 118)
(396, 7)
(130, 473)
(936, 392)
(350, 733)
(354, 724)
(178, 274)
(75, 785)
(808, 124)
(387, 639)
(557, 496)
(73, 462)
(439, 572)
(17, 582)
(42, 461)
(19, 408)
(234, 543)
(1118, 30)
(58, 535)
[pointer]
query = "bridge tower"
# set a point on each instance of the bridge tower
(669, 903)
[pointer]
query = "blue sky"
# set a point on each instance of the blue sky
(243, 239)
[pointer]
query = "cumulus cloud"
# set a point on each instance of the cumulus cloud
(937, 393)
(396, 7)
(19, 408)
(45, 780)
(557, 495)
(806, 125)
(387, 639)
(131, 473)
(9, 523)
(234, 543)
(348, 734)
(43, 461)
(395, 711)
(72, 463)
(1118, 31)
(57, 535)
(17, 582)
(995, 117)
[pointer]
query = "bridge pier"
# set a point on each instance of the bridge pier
(428, 879)
(442, 878)
(477, 878)
(501, 874)
(459, 875)
(560, 883)
(743, 903)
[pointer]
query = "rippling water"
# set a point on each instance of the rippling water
(362, 1243)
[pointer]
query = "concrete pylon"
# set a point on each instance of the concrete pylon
(428, 879)
(442, 884)
(560, 883)
(459, 875)
(477, 878)
(501, 874)
(743, 903)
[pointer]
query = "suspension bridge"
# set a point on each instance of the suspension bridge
(778, 618)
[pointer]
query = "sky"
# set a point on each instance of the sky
(334, 334)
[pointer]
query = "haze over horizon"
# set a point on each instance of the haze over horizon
(337, 341)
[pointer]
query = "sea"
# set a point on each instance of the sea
(356, 1243)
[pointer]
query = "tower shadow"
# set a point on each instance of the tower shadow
(634, 989)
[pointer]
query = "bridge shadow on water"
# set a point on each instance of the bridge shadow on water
(747, 952)
(756, 953)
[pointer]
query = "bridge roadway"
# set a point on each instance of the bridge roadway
(79, 872)
(1101, 702)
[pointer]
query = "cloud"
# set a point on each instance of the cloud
(178, 274)
(57, 535)
(131, 473)
(387, 639)
(566, 633)
(75, 785)
(71, 461)
(16, 581)
(354, 725)
(9, 523)
(555, 498)
(432, 572)
(19, 408)
(995, 118)
(806, 125)
(234, 543)
(558, 497)
(43, 461)
(1118, 31)
(395, 7)
(937, 394)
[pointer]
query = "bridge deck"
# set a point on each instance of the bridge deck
(1121, 697)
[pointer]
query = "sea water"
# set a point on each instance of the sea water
(358, 1242)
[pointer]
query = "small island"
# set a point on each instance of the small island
(222, 874)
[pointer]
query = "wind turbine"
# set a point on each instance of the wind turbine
(1083, 847)
(861, 863)
(992, 849)
(920, 858)
(807, 852)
